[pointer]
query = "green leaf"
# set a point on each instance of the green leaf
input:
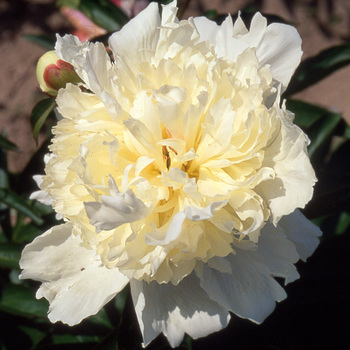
(120, 300)
(19, 300)
(318, 67)
(210, 14)
(188, 342)
(4, 179)
(104, 14)
(3, 237)
(10, 254)
(14, 201)
(25, 233)
(40, 113)
(45, 41)
(74, 339)
(36, 335)
(74, 4)
(101, 319)
(5, 222)
(322, 131)
(6, 144)
(347, 132)
(343, 223)
(319, 123)
(43, 209)
(109, 343)
(306, 114)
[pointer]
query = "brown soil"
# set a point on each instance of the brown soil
(321, 24)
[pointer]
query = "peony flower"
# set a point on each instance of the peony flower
(177, 169)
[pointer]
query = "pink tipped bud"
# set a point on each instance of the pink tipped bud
(53, 73)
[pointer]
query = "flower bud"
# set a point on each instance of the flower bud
(53, 74)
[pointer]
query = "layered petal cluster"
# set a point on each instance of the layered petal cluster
(177, 168)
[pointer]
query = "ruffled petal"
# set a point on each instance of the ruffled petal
(279, 252)
(207, 29)
(294, 179)
(280, 48)
(176, 310)
(140, 33)
(277, 45)
(115, 210)
(93, 65)
(175, 227)
(302, 232)
(74, 281)
(249, 291)
(41, 196)
(90, 61)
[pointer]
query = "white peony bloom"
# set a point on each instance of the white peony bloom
(177, 169)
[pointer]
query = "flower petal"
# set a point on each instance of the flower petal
(41, 196)
(302, 232)
(280, 47)
(115, 210)
(249, 291)
(176, 310)
(140, 33)
(74, 281)
(279, 252)
(83, 57)
(207, 29)
(175, 227)
(277, 45)
(92, 63)
(293, 184)
(233, 39)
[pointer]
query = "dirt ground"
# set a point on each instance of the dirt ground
(321, 24)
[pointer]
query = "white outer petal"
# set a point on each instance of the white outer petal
(90, 60)
(280, 47)
(176, 310)
(302, 232)
(169, 12)
(279, 252)
(93, 65)
(293, 184)
(277, 45)
(41, 196)
(140, 33)
(74, 281)
(208, 29)
(249, 291)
